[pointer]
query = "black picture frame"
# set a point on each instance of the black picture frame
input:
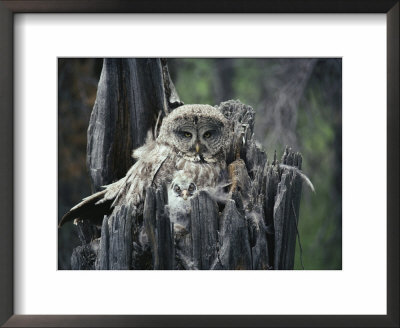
(7, 197)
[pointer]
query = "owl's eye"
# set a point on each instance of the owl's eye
(192, 187)
(207, 134)
(187, 134)
(177, 189)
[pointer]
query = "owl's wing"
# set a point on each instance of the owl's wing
(129, 190)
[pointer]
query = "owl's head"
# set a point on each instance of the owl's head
(197, 132)
(182, 185)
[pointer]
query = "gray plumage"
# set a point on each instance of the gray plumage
(192, 138)
(180, 191)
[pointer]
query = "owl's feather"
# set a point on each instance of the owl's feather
(158, 159)
(128, 190)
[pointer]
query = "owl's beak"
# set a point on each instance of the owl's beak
(185, 194)
(197, 147)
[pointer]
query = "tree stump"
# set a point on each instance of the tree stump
(254, 226)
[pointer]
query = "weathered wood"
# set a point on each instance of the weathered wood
(258, 240)
(235, 253)
(102, 262)
(254, 226)
(286, 211)
(86, 231)
(204, 230)
(132, 93)
(116, 245)
(242, 117)
(164, 235)
(84, 257)
(149, 222)
(272, 180)
(159, 230)
(169, 88)
(184, 245)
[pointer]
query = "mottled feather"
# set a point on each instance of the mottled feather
(157, 161)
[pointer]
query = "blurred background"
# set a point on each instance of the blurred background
(298, 102)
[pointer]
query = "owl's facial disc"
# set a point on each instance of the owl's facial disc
(210, 138)
(189, 191)
(184, 191)
(198, 139)
(184, 137)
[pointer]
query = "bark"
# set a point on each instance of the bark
(131, 95)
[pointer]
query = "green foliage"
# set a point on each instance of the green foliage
(248, 76)
(319, 217)
(194, 81)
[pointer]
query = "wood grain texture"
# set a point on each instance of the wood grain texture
(132, 93)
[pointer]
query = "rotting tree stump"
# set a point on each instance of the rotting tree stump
(253, 227)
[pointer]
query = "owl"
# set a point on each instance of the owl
(180, 191)
(181, 187)
(192, 139)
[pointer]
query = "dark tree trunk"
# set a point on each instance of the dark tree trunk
(255, 228)
(131, 96)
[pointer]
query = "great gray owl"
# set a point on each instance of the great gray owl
(192, 138)
(181, 189)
